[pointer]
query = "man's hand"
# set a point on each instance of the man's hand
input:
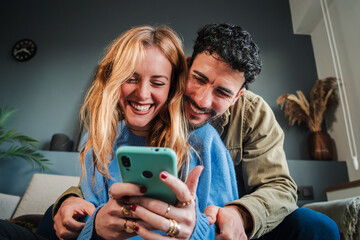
(65, 220)
(229, 220)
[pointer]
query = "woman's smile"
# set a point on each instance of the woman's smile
(141, 108)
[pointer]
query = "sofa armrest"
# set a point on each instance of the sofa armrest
(8, 204)
(344, 212)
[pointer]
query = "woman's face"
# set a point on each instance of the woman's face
(146, 91)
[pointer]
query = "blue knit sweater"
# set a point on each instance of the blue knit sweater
(217, 183)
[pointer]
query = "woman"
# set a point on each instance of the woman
(137, 99)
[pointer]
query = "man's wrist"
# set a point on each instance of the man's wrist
(246, 218)
(72, 191)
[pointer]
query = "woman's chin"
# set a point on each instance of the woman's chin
(138, 126)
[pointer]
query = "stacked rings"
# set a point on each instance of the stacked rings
(129, 229)
(126, 211)
(174, 228)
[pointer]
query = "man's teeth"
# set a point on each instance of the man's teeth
(141, 107)
(196, 110)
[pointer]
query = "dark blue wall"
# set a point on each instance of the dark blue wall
(71, 35)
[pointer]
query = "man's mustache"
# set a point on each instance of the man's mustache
(205, 110)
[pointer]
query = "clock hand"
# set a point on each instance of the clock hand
(25, 50)
(18, 51)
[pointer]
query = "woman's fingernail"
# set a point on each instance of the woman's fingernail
(163, 175)
(126, 199)
(136, 228)
(133, 207)
(143, 189)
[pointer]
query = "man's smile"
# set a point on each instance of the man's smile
(195, 109)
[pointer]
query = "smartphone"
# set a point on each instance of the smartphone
(142, 165)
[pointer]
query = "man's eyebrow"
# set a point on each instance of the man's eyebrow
(227, 90)
(202, 75)
(221, 88)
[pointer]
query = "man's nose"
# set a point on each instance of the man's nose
(204, 98)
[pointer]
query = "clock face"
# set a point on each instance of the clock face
(24, 50)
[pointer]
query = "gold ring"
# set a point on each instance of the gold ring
(174, 228)
(187, 203)
(167, 210)
(129, 229)
(126, 211)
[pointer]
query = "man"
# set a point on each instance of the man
(224, 61)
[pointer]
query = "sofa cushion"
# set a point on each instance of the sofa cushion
(42, 192)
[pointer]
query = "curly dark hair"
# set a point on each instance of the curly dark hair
(233, 44)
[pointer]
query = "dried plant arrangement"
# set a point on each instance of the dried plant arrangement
(300, 110)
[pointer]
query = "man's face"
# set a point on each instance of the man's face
(212, 87)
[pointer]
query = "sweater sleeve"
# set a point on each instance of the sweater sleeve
(94, 191)
(88, 230)
(92, 184)
(217, 183)
(202, 228)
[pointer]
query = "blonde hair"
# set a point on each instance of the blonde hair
(101, 112)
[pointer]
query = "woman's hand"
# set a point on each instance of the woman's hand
(178, 221)
(114, 215)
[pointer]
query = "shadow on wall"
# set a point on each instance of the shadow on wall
(295, 144)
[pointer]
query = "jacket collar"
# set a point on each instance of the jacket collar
(220, 122)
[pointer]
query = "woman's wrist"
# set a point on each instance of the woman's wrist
(95, 234)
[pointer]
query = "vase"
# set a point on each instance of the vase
(320, 146)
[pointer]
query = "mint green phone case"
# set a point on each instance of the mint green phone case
(142, 165)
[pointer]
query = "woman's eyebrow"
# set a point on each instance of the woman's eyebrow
(160, 76)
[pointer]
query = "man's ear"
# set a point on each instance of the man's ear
(238, 95)
(188, 60)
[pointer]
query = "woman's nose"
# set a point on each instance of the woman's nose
(143, 91)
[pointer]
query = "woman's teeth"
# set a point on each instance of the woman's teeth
(141, 107)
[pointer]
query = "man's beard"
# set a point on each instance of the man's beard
(206, 110)
(196, 126)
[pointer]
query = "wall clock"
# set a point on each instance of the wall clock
(24, 50)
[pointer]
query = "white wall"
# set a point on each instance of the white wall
(345, 20)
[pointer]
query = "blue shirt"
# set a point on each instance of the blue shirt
(217, 183)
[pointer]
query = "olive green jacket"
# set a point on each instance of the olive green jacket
(255, 141)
